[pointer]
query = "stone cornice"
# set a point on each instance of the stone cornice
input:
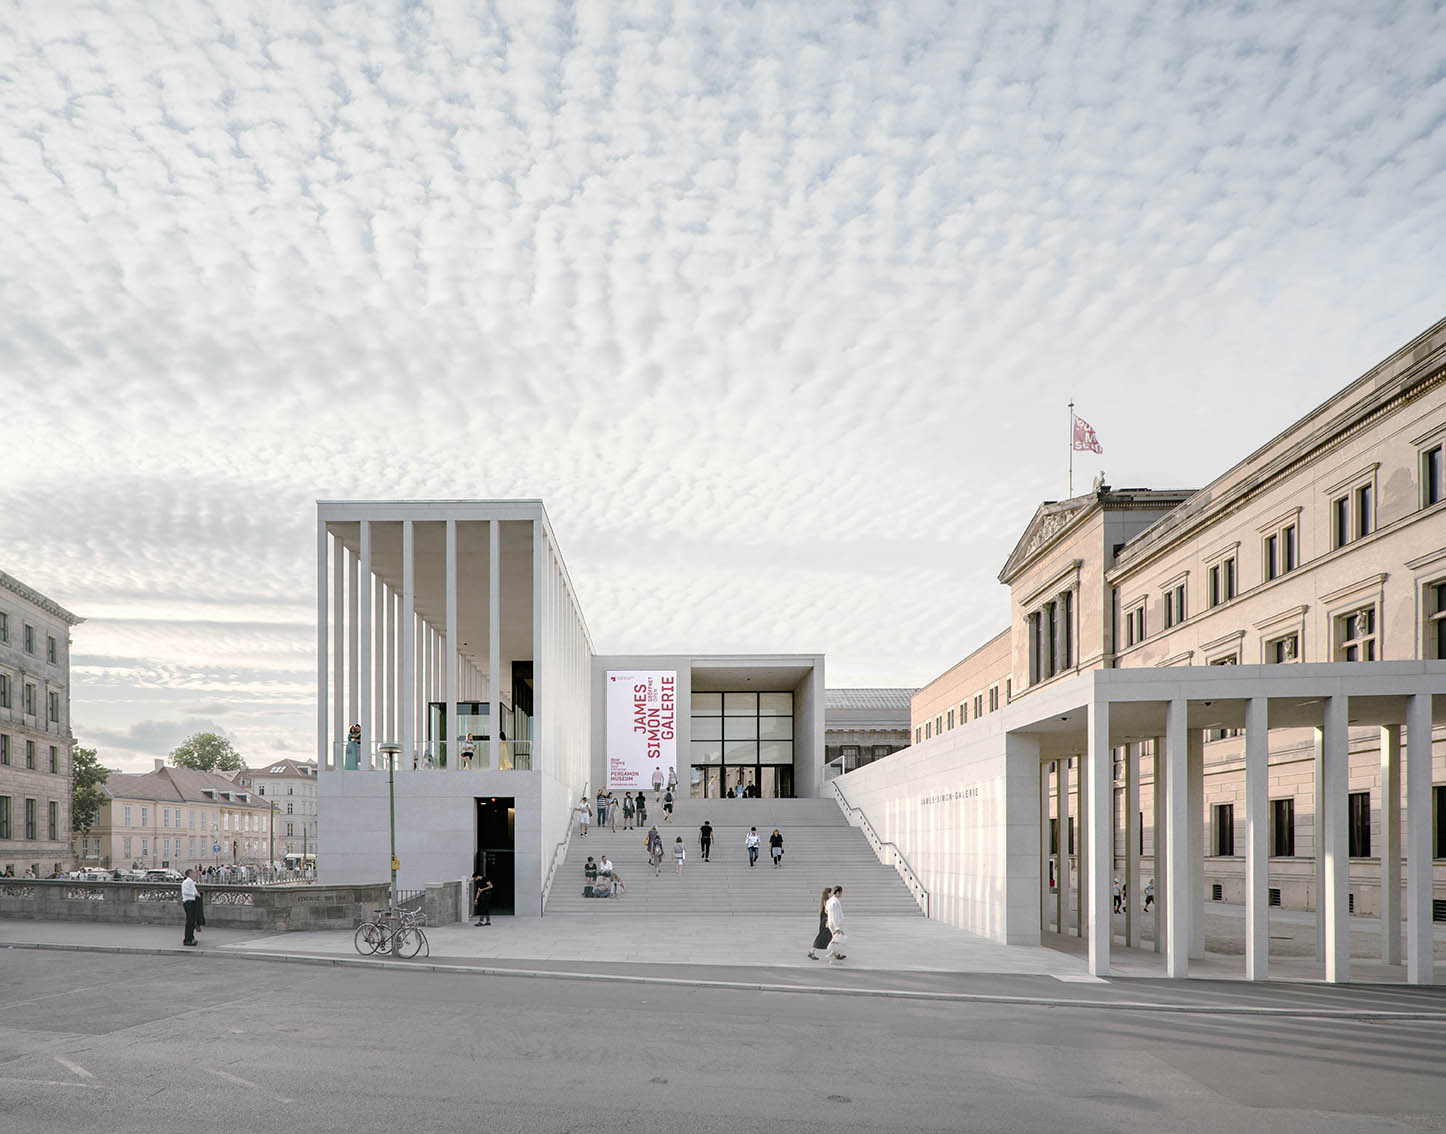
(35, 598)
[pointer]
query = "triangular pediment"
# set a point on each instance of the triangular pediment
(1045, 526)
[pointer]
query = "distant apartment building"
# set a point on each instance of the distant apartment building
(35, 736)
(291, 785)
(177, 817)
(863, 725)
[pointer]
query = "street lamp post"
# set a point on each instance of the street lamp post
(391, 749)
(271, 865)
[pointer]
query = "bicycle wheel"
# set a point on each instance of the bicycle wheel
(409, 941)
(368, 938)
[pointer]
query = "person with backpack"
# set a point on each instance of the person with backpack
(655, 850)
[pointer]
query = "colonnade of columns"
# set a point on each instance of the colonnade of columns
(1179, 839)
(387, 661)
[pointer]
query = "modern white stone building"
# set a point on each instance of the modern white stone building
(1186, 667)
(35, 736)
(436, 619)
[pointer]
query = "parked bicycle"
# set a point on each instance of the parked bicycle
(393, 931)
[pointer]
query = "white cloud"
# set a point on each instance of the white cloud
(794, 295)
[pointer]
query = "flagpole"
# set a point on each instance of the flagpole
(1071, 450)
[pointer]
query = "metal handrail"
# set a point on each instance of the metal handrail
(554, 864)
(879, 844)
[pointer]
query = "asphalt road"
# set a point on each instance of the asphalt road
(135, 1043)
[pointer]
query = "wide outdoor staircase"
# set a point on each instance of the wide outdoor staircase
(820, 848)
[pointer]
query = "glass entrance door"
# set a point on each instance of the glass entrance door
(706, 782)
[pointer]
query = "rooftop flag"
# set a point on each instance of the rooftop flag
(1085, 440)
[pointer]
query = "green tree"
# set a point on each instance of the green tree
(206, 752)
(86, 777)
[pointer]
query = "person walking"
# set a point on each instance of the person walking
(1149, 894)
(190, 898)
(775, 848)
(679, 853)
(584, 816)
(751, 841)
(668, 806)
(834, 909)
(655, 850)
(612, 813)
(640, 804)
(628, 811)
(657, 783)
(1115, 891)
(673, 780)
(705, 839)
(822, 938)
(482, 903)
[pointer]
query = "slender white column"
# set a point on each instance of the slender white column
(1132, 844)
(425, 655)
(1195, 770)
(353, 639)
(1179, 913)
(1391, 844)
(1418, 840)
(1082, 846)
(1044, 855)
(1257, 839)
(364, 660)
(1101, 785)
(393, 726)
(1337, 814)
(1161, 849)
(324, 754)
(379, 661)
(407, 702)
(1061, 845)
(1318, 838)
(539, 659)
(453, 639)
(338, 640)
(494, 637)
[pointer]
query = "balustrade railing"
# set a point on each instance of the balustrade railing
(433, 755)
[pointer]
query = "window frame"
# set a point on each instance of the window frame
(1358, 825)
(1353, 511)
(1282, 835)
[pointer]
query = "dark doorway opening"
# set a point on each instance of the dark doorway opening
(496, 823)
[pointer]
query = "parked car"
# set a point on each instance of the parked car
(164, 875)
(95, 876)
(123, 875)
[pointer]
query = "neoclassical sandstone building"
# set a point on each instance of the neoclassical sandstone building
(1316, 566)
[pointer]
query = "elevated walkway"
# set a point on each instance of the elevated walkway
(820, 848)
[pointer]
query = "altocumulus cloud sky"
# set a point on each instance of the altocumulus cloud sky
(778, 306)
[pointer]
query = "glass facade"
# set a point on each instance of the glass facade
(741, 742)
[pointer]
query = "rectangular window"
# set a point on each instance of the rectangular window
(30, 755)
(1283, 649)
(1214, 585)
(994, 699)
(165, 817)
(1288, 557)
(50, 651)
(1360, 830)
(978, 705)
(1067, 605)
(29, 639)
(30, 699)
(1175, 612)
(1438, 809)
(54, 816)
(30, 820)
(1270, 558)
(4, 627)
(127, 811)
(4, 816)
(1008, 690)
(1356, 635)
(288, 805)
(918, 734)
(145, 816)
(1225, 829)
(1340, 521)
(145, 848)
(951, 725)
(126, 847)
(1365, 516)
(53, 706)
(928, 730)
(4, 691)
(1434, 639)
(54, 761)
(1229, 566)
(1054, 836)
(939, 724)
(1282, 828)
(4, 748)
(1433, 487)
